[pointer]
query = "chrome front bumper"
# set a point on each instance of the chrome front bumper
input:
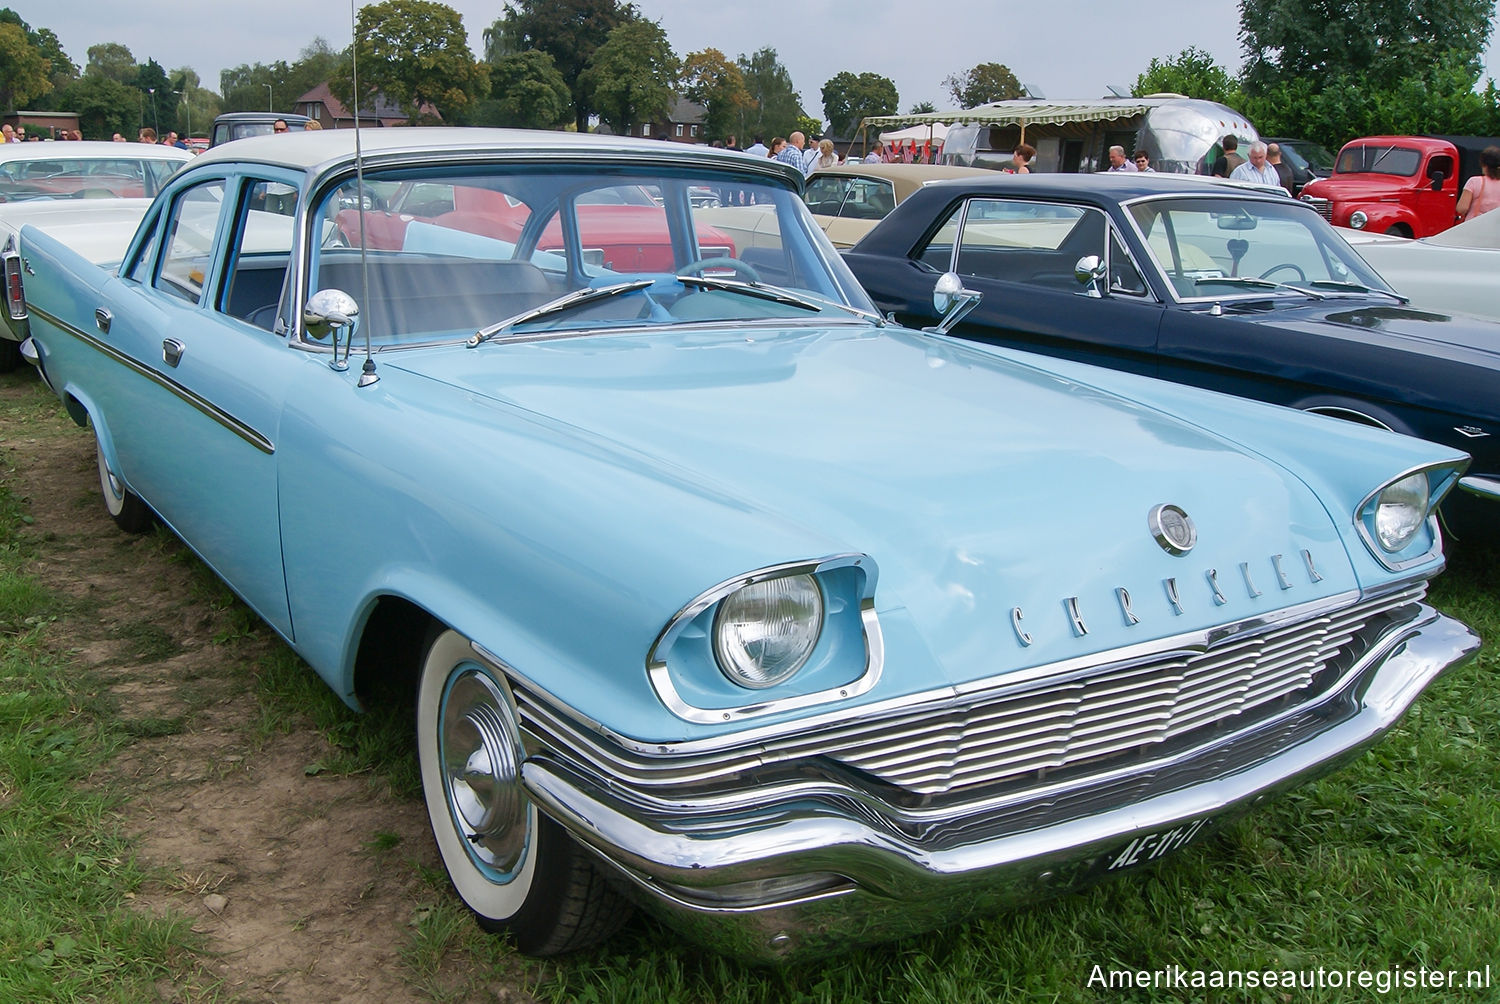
(810, 871)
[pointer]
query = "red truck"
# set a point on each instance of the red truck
(1402, 185)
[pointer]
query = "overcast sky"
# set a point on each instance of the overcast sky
(1063, 48)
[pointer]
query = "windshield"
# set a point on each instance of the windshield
(1219, 248)
(1370, 159)
(1307, 156)
(454, 251)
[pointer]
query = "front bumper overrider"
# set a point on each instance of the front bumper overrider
(802, 870)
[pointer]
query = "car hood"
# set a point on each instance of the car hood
(1461, 337)
(988, 492)
(1356, 186)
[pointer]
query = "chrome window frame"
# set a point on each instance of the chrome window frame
(1228, 296)
(317, 182)
(1111, 229)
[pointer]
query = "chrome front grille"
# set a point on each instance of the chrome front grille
(1323, 206)
(1046, 729)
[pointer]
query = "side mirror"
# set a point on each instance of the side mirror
(952, 301)
(1090, 271)
(327, 312)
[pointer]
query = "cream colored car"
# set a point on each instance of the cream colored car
(848, 201)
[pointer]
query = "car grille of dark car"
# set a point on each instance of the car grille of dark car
(1323, 206)
(1047, 730)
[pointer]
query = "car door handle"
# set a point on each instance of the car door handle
(102, 319)
(171, 351)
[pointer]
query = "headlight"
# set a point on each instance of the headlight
(1400, 509)
(1358, 219)
(764, 632)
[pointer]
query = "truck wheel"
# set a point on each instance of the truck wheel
(517, 870)
(1398, 230)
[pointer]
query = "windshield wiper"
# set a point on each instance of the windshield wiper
(755, 289)
(1241, 280)
(776, 294)
(567, 301)
(1354, 287)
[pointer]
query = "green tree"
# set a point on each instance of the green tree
(922, 108)
(197, 103)
(1191, 73)
(160, 108)
(982, 84)
(62, 70)
(570, 31)
(24, 72)
(104, 106)
(776, 108)
(1381, 42)
(526, 92)
(848, 98)
(112, 60)
(633, 76)
(1335, 70)
(416, 53)
(710, 79)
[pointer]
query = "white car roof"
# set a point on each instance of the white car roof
(307, 150)
(90, 150)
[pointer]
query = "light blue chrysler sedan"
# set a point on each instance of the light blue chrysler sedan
(716, 592)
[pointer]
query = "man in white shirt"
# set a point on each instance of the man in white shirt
(1256, 169)
(758, 148)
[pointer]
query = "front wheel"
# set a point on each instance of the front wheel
(517, 870)
(124, 506)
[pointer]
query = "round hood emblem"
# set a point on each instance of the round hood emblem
(1172, 528)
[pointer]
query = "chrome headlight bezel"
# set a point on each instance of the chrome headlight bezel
(1358, 219)
(844, 660)
(1397, 521)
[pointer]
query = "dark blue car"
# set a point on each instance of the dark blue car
(1202, 282)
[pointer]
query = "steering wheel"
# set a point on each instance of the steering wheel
(729, 264)
(1301, 275)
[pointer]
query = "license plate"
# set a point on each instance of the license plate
(1151, 846)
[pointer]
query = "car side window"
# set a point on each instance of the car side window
(260, 252)
(825, 195)
(869, 199)
(1038, 243)
(1124, 277)
(189, 241)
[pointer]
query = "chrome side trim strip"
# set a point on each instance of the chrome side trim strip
(1485, 488)
(228, 421)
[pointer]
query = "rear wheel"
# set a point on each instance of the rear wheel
(124, 506)
(516, 869)
(10, 354)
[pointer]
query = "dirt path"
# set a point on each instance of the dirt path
(306, 886)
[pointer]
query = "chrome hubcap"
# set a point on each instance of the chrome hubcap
(481, 771)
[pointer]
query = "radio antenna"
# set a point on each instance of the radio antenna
(367, 374)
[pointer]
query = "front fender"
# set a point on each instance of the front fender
(1381, 217)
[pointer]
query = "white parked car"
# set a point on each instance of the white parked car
(106, 187)
(1453, 271)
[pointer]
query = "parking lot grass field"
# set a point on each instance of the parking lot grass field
(1393, 862)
